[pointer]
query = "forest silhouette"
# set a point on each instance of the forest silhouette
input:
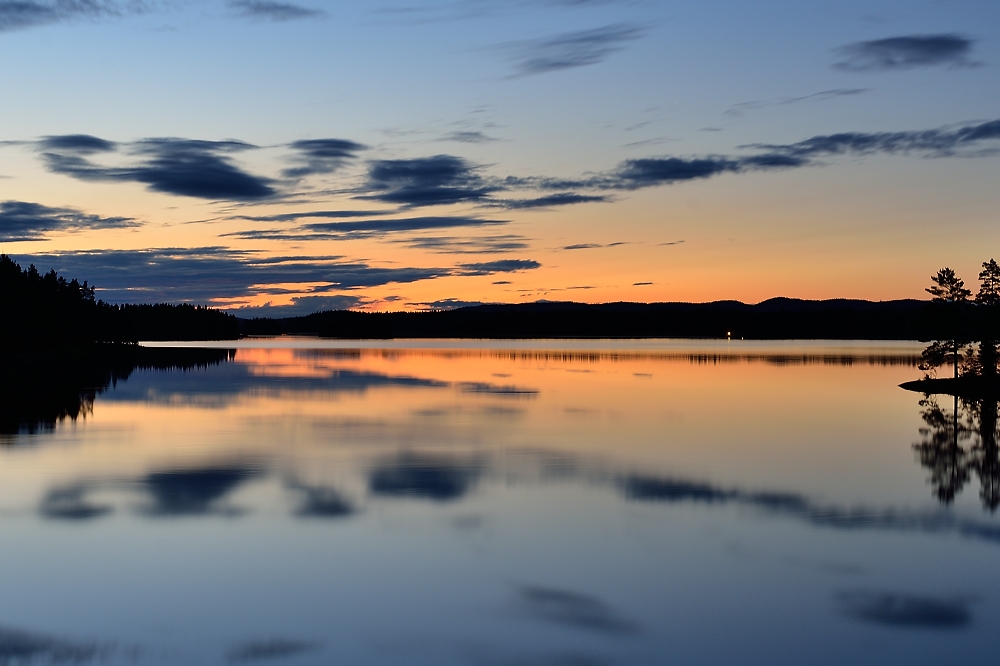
(45, 311)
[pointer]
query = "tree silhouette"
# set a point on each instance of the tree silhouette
(988, 302)
(48, 311)
(960, 442)
(940, 450)
(948, 298)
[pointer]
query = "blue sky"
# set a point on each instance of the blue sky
(566, 149)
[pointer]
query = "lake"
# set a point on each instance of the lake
(300, 501)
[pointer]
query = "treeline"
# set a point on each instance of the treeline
(777, 319)
(47, 310)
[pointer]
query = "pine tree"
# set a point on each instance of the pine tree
(988, 300)
(948, 292)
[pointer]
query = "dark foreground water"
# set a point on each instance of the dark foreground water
(531, 503)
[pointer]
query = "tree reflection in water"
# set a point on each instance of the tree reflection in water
(958, 443)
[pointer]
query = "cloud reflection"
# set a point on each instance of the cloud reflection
(572, 609)
(905, 610)
(186, 492)
(423, 476)
(321, 501)
(274, 648)
(69, 503)
(21, 647)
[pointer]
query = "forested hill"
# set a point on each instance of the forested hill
(778, 318)
(46, 309)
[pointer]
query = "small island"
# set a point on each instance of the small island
(966, 341)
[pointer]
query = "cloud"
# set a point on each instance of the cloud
(468, 137)
(466, 245)
(273, 648)
(426, 181)
(905, 610)
(20, 14)
(26, 221)
(945, 141)
(449, 304)
(321, 156)
(571, 49)
(364, 228)
(591, 246)
(301, 305)
(436, 478)
(632, 174)
(83, 144)
(571, 609)
(906, 52)
(548, 201)
(184, 167)
(499, 266)
(332, 214)
(209, 273)
(739, 110)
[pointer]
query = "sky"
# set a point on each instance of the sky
(279, 158)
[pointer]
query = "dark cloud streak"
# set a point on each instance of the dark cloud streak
(173, 166)
(571, 49)
(26, 221)
(908, 52)
(322, 156)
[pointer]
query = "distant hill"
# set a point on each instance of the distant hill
(777, 318)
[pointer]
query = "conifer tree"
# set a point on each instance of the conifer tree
(988, 300)
(949, 295)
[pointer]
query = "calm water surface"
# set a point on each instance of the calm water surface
(578, 502)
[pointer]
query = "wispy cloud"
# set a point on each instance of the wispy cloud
(26, 221)
(21, 14)
(426, 181)
(907, 52)
(466, 245)
(739, 110)
(273, 11)
(947, 141)
(571, 49)
(468, 137)
(317, 156)
(548, 201)
(363, 228)
(207, 274)
(218, 275)
(499, 266)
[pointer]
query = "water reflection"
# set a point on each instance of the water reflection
(43, 390)
(21, 647)
(905, 610)
(430, 477)
(572, 609)
(484, 506)
(958, 443)
(193, 492)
